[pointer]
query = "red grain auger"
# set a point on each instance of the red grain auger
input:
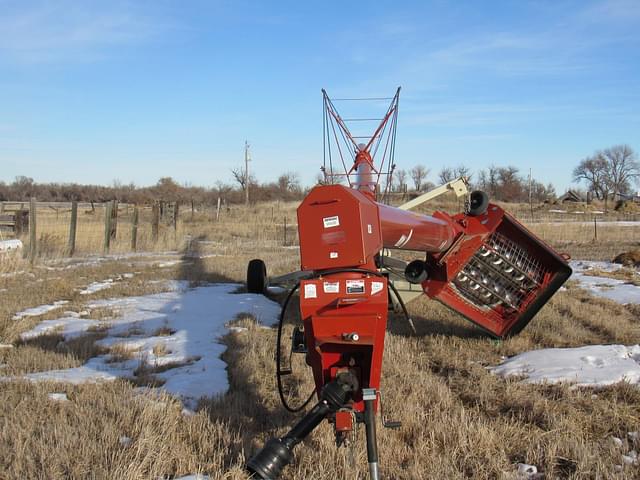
(482, 263)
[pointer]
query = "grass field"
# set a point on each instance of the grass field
(459, 420)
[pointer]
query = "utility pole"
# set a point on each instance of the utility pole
(247, 159)
(530, 196)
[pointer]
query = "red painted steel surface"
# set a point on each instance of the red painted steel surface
(413, 231)
(338, 227)
(334, 309)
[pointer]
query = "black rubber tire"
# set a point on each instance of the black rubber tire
(256, 276)
(416, 272)
(478, 203)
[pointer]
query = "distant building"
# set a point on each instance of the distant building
(571, 196)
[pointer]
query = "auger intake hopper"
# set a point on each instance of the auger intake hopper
(497, 273)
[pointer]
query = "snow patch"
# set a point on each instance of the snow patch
(527, 471)
(39, 310)
(590, 366)
(187, 360)
(6, 245)
(58, 397)
(611, 288)
(97, 286)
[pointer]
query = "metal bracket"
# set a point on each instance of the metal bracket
(393, 424)
(459, 186)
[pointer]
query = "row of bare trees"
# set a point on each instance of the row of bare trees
(612, 171)
(501, 183)
(287, 187)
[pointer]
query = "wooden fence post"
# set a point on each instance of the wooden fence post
(114, 219)
(107, 226)
(155, 221)
(1, 208)
(285, 231)
(175, 216)
(595, 228)
(33, 249)
(71, 245)
(218, 210)
(134, 229)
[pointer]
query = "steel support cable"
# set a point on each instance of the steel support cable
(384, 153)
(324, 142)
(340, 152)
(335, 116)
(334, 113)
(361, 99)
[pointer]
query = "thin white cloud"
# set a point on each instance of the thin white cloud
(608, 11)
(45, 31)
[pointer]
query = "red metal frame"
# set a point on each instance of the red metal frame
(488, 267)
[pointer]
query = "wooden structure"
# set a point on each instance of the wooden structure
(14, 223)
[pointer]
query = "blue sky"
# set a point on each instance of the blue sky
(97, 91)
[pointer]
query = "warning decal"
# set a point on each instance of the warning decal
(331, 287)
(376, 287)
(331, 222)
(355, 286)
(310, 290)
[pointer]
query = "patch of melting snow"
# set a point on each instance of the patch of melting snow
(527, 471)
(630, 458)
(611, 288)
(58, 397)
(39, 310)
(97, 286)
(188, 360)
(13, 244)
(171, 263)
(197, 476)
(590, 366)
(70, 327)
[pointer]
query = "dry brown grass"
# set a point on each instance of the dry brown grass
(459, 421)
(628, 275)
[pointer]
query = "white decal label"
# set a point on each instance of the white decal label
(331, 222)
(403, 238)
(355, 286)
(310, 290)
(331, 287)
(369, 229)
(333, 254)
(376, 287)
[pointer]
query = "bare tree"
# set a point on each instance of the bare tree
(593, 171)
(240, 176)
(463, 171)
(511, 185)
(401, 179)
(609, 171)
(289, 181)
(418, 175)
(448, 174)
(622, 168)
